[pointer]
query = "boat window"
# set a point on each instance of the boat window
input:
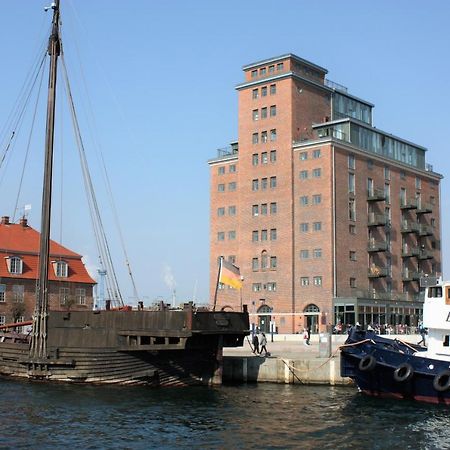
(447, 340)
(435, 292)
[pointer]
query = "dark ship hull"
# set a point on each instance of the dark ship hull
(156, 348)
(384, 367)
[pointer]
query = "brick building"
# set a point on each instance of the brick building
(70, 284)
(330, 219)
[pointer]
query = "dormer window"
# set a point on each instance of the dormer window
(61, 269)
(14, 264)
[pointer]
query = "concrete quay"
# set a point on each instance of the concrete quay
(290, 361)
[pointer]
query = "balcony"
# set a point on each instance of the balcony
(409, 203)
(425, 230)
(424, 208)
(376, 195)
(425, 254)
(408, 251)
(377, 272)
(376, 220)
(374, 246)
(409, 226)
(410, 275)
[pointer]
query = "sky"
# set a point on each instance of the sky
(160, 100)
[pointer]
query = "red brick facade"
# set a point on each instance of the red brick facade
(280, 201)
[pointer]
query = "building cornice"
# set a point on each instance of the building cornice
(282, 57)
(223, 159)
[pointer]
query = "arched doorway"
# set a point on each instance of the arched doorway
(311, 313)
(264, 317)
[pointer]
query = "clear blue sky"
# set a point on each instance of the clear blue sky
(161, 79)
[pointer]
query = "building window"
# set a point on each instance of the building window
(221, 236)
(351, 209)
(264, 91)
(264, 158)
(264, 209)
(273, 182)
(273, 135)
(255, 210)
(271, 69)
(221, 286)
(316, 153)
(273, 262)
(221, 188)
(352, 282)
(387, 192)
(272, 286)
(303, 156)
(15, 265)
(317, 173)
(2, 293)
(273, 156)
(255, 185)
(263, 184)
(264, 137)
(304, 254)
(221, 170)
(352, 255)
(2, 320)
(254, 73)
(264, 113)
(262, 71)
(232, 235)
(432, 200)
(255, 159)
(418, 183)
(255, 114)
(317, 281)
(402, 175)
(263, 260)
(273, 111)
(387, 173)
(273, 208)
(304, 200)
(18, 293)
(61, 269)
(255, 236)
(317, 226)
(317, 199)
(369, 164)
(304, 281)
(64, 296)
(255, 93)
(273, 234)
(273, 89)
(255, 264)
(232, 259)
(80, 296)
(304, 227)
(317, 253)
(232, 210)
(255, 138)
(280, 66)
(303, 174)
(232, 186)
(351, 162)
(352, 229)
(351, 183)
(256, 287)
(232, 168)
(263, 235)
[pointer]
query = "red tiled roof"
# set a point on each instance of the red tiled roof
(23, 241)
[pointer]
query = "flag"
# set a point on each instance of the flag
(229, 274)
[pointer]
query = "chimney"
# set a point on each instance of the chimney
(24, 222)
(5, 220)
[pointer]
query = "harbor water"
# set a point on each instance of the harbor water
(246, 416)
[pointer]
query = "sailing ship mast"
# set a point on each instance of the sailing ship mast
(38, 348)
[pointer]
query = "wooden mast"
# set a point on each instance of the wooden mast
(38, 348)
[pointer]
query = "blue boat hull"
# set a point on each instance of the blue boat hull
(384, 367)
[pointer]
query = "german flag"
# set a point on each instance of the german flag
(229, 274)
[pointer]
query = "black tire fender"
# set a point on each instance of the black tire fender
(404, 372)
(441, 382)
(367, 363)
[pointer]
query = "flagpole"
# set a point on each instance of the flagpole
(217, 284)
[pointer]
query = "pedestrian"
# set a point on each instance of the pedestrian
(305, 336)
(308, 331)
(263, 343)
(255, 342)
(422, 332)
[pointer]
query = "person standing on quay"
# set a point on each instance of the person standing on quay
(255, 342)
(308, 331)
(263, 343)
